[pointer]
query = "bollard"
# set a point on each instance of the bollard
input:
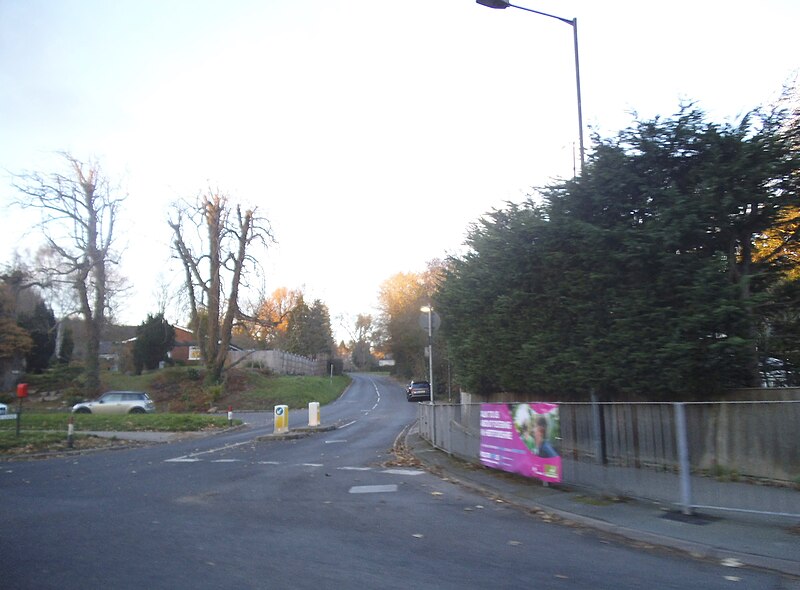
(313, 414)
(281, 419)
(230, 416)
(70, 432)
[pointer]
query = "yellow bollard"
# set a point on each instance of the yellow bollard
(313, 413)
(281, 419)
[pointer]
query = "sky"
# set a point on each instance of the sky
(370, 133)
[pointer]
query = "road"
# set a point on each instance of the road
(328, 511)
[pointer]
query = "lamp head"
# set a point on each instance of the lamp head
(494, 3)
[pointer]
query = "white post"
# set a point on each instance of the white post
(313, 414)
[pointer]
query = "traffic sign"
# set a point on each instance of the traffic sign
(436, 321)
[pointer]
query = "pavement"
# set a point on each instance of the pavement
(733, 539)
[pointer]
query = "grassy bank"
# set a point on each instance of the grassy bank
(181, 389)
(181, 399)
(124, 423)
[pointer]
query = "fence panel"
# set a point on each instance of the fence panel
(744, 456)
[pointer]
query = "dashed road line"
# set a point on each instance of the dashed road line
(379, 489)
(194, 459)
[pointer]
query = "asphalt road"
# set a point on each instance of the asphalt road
(328, 511)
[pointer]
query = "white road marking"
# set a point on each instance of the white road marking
(373, 489)
(330, 442)
(226, 460)
(269, 462)
(311, 464)
(354, 468)
(191, 457)
(403, 471)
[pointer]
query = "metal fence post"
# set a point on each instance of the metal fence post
(683, 458)
(597, 426)
(433, 424)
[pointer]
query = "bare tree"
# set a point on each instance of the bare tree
(78, 213)
(213, 240)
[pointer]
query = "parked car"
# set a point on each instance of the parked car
(418, 391)
(777, 373)
(3, 409)
(117, 402)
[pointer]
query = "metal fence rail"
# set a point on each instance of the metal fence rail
(737, 456)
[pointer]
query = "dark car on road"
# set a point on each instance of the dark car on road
(418, 391)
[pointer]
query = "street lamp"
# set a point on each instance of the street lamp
(574, 24)
(429, 310)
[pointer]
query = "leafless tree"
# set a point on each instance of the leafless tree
(214, 239)
(78, 214)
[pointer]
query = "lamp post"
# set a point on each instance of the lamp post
(429, 310)
(574, 24)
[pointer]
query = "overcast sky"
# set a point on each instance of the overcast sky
(370, 133)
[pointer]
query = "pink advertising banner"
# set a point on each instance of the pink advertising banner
(520, 438)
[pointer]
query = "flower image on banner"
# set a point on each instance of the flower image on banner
(520, 438)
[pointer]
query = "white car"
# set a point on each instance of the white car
(117, 402)
(3, 409)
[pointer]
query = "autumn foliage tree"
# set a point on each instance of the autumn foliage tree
(400, 298)
(269, 325)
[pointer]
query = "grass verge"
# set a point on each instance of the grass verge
(48, 432)
(30, 442)
(123, 423)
